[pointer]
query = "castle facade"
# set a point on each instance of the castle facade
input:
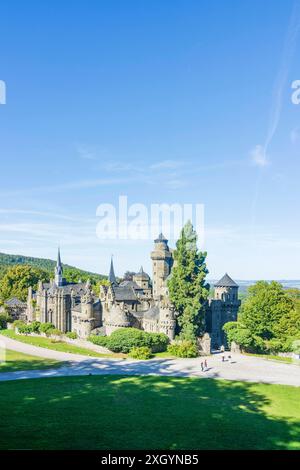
(139, 302)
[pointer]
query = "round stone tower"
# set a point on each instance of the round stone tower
(161, 265)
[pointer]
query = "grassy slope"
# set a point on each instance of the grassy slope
(113, 412)
(270, 357)
(15, 361)
(56, 346)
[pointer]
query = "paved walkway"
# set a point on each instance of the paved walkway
(243, 368)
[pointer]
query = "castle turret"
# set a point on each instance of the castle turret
(223, 308)
(161, 264)
(87, 301)
(226, 289)
(59, 280)
(142, 279)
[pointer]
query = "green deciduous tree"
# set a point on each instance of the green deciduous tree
(18, 279)
(187, 285)
(264, 307)
(269, 319)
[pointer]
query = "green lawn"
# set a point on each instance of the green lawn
(55, 345)
(114, 412)
(270, 357)
(18, 361)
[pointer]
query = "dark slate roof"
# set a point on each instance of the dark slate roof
(226, 281)
(161, 238)
(14, 302)
(78, 288)
(123, 293)
(141, 274)
(132, 284)
(152, 313)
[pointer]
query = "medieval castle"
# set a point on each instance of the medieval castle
(139, 303)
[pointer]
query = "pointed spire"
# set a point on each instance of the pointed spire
(59, 270)
(58, 262)
(161, 239)
(111, 277)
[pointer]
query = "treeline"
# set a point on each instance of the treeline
(17, 273)
(71, 273)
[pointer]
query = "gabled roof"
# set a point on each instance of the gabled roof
(226, 281)
(123, 293)
(14, 302)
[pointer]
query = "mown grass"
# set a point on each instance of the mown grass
(271, 357)
(15, 361)
(148, 412)
(55, 345)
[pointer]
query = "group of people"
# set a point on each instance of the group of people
(223, 354)
(204, 366)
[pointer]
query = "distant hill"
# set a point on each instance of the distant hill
(243, 285)
(73, 273)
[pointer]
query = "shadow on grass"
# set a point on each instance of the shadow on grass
(13, 365)
(117, 412)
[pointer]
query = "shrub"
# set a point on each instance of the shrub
(18, 323)
(54, 332)
(25, 329)
(35, 326)
(140, 353)
(124, 339)
(4, 319)
(296, 346)
(46, 326)
(158, 342)
(183, 349)
(99, 340)
(72, 335)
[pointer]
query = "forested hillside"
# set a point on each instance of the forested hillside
(70, 272)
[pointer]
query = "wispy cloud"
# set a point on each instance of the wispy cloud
(258, 156)
(276, 104)
(167, 165)
(295, 135)
(72, 185)
(86, 153)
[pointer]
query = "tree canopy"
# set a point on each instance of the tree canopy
(18, 279)
(269, 318)
(187, 286)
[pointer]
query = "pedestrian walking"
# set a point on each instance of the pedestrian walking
(223, 358)
(202, 368)
(205, 364)
(222, 349)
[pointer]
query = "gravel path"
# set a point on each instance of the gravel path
(243, 368)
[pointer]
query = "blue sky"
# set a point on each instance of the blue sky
(162, 101)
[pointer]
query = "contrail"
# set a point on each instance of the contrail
(278, 88)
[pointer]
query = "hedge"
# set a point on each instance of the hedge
(124, 339)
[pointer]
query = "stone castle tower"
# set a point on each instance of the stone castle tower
(223, 308)
(162, 262)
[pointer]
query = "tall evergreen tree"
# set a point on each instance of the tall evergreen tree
(187, 285)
